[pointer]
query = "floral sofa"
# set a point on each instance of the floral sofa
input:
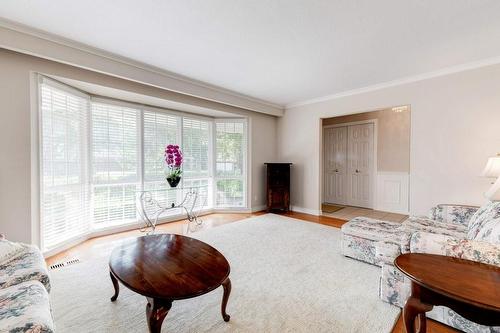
(24, 290)
(459, 231)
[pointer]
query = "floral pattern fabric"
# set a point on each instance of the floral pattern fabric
(361, 235)
(28, 266)
(394, 286)
(458, 231)
(25, 308)
(479, 251)
(455, 214)
(358, 248)
(484, 224)
(386, 252)
(413, 224)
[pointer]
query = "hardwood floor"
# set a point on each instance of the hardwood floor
(92, 246)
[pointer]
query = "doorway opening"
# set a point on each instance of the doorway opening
(366, 164)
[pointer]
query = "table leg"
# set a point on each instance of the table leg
(227, 290)
(413, 308)
(156, 311)
(115, 285)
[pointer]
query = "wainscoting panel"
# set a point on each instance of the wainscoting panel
(393, 192)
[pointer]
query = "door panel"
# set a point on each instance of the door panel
(335, 165)
(360, 165)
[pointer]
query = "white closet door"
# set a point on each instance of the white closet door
(335, 165)
(360, 165)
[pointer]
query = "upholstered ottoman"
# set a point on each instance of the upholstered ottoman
(366, 239)
(25, 308)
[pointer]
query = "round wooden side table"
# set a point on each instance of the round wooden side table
(469, 288)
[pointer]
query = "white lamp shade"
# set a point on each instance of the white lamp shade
(492, 169)
(493, 193)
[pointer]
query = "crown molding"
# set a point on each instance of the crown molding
(398, 82)
(27, 40)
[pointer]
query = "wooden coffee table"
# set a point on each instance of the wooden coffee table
(166, 268)
(469, 288)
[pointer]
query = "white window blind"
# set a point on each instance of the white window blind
(64, 197)
(96, 155)
(195, 148)
(230, 163)
(115, 163)
(160, 130)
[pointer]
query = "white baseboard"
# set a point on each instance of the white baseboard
(315, 212)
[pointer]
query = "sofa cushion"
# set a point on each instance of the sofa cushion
(485, 223)
(29, 266)
(25, 308)
(455, 214)
(376, 230)
(9, 250)
(436, 227)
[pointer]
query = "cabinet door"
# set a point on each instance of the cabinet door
(360, 165)
(335, 165)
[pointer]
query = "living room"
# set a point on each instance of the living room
(172, 156)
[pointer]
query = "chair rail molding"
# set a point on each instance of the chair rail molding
(393, 192)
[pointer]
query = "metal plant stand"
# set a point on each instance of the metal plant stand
(151, 209)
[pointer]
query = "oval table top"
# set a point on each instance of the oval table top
(463, 280)
(168, 266)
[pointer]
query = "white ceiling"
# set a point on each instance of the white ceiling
(281, 51)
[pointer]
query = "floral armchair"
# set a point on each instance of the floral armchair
(24, 288)
(472, 234)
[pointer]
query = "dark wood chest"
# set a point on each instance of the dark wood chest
(278, 186)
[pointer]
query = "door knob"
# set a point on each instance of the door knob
(336, 170)
(357, 171)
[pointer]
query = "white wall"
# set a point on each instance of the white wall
(455, 126)
(16, 96)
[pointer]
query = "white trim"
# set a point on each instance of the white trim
(36, 232)
(298, 209)
(246, 168)
(398, 82)
(62, 86)
(393, 192)
(27, 40)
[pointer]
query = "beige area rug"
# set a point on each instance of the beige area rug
(287, 276)
(330, 208)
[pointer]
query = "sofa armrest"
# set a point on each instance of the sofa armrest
(487, 253)
(447, 213)
(386, 252)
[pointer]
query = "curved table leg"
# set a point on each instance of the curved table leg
(156, 311)
(115, 285)
(227, 290)
(415, 307)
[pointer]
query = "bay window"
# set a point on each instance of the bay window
(115, 159)
(97, 154)
(230, 164)
(64, 197)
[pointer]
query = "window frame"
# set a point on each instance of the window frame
(39, 117)
(37, 144)
(244, 177)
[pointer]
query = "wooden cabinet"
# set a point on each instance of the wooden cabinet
(278, 186)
